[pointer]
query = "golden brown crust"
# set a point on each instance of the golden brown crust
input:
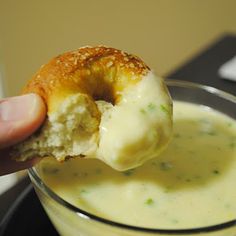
(100, 72)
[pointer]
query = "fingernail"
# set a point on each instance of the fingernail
(18, 108)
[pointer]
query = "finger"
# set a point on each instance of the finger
(8, 165)
(20, 117)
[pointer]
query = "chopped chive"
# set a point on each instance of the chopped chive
(151, 106)
(174, 221)
(149, 201)
(212, 133)
(164, 109)
(177, 135)
(216, 172)
(153, 163)
(98, 171)
(143, 111)
(168, 189)
(83, 191)
(128, 172)
(48, 170)
(153, 134)
(204, 120)
(165, 166)
(84, 174)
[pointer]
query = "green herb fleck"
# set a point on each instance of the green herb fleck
(165, 166)
(153, 134)
(197, 177)
(177, 135)
(212, 133)
(153, 163)
(128, 172)
(232, 145)
(168, 189)
(164, 109)
(230, 124)
(151, 107)
(49, 170)
(98, 171)
(84, 191)
(216, 172)
(204, 121)
(83, 174)
(143, 111)
(149, 201)
(174, 221)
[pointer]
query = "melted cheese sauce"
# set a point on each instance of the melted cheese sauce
(191, 184)
(125, 138)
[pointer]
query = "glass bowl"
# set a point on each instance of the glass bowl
(70, 220)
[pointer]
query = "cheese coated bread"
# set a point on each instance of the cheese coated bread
(100, 73)
(95, 97)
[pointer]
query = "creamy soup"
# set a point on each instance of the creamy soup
(191, 184)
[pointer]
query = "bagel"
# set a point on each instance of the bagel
(101, 103)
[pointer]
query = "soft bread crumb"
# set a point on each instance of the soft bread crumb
(71, 131)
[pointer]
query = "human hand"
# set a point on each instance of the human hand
(19, 118)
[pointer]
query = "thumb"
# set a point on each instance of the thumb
(20, 117)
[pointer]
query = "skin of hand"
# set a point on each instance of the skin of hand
(19, 117)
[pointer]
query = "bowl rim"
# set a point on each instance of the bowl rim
(182, 231)
(210, 89)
